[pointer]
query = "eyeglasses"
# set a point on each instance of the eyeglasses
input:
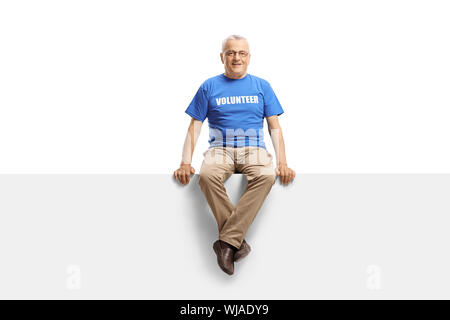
(231, 53)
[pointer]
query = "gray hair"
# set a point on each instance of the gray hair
(232, 37)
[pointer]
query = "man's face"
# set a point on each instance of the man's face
(236, 58)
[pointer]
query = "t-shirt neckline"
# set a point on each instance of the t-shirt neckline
(223, 75)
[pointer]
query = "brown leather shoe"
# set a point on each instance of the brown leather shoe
(225, 256)
(243, 251)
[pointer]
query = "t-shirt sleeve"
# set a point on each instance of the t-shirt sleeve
(272, 106)
(198, 108)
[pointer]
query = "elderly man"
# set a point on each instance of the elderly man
(235, 104)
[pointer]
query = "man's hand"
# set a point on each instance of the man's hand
(183, 174)
(286, 174)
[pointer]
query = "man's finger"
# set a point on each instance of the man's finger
(291, 175)
(286, 179)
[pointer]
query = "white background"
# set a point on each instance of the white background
(101, 86)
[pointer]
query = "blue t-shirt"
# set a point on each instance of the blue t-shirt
(235, 109)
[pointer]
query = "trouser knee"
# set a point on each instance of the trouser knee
(206, 178)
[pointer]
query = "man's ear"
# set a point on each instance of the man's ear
(221, 57)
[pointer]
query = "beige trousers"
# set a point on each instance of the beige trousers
(218, 165)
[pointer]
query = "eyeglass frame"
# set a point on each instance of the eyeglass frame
(235, 52)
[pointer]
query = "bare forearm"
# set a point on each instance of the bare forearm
(191, 140)
(286, 174)
(276, 135)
